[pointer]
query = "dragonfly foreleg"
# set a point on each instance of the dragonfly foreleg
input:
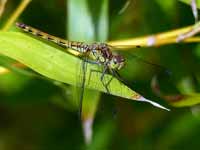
(102, 78)
(117, 75)
(92, 62)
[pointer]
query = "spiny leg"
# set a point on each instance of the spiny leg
(101, 78)
(117, 75)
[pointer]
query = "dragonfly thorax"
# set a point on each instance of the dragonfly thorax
(102, 53)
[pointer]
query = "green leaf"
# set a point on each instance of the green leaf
(103, 23)
(103, 135)
(58, 65)
(167, 6)
(189, 2)
(187, 100)
(80, 25)
(83, 29)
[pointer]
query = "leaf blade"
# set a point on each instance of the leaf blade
(56, 64)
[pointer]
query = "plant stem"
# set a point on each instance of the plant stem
(169, 37)
(16, 14)
(2, 6)
(8, 24)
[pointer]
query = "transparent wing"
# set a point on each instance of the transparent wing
(82, 87)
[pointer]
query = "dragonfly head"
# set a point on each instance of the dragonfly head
(117, 62)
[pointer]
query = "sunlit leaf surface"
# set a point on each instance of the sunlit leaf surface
(58, 65)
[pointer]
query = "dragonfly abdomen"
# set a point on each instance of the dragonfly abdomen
(78, 46)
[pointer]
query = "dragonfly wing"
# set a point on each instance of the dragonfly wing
(82, 84)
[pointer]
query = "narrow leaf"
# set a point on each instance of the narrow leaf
(58, 65)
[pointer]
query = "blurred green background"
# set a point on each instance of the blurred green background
(37, 114)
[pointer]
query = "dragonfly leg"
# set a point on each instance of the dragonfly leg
(92, 62)
(84, 68)
(103, 73)
(117, 75)
(101, 78)
(90, 74)
(107, 84)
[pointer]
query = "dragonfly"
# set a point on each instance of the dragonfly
(95, 53)
(99, 53)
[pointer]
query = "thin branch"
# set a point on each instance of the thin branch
(195, 30)
(16, 14)
(169, 37)
(2, 6)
